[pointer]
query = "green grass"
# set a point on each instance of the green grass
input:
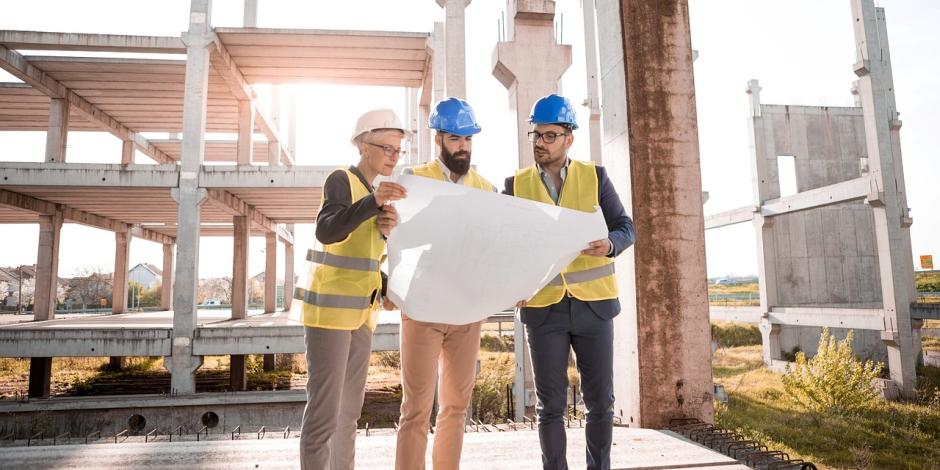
(889, 435)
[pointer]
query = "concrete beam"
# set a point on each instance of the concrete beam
(852, 318)
(270, 273)
(227, 176)
(18, 66)
(39, 206)
(736, 314)
(236, 207)
(58, 130)
(88, 174)
(217, 341)
(673, 348)
(84, 342)
(244, 146)
(41, 40)
(850, 190)
(922, 311)
(47, 266)
(732, 217)
(240, 267)
(166, 284)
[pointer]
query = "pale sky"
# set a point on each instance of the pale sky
(801, 51)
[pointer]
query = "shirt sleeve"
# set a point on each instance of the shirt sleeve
(338, 215)
(619, 225)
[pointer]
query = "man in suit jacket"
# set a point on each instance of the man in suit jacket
(576, 309)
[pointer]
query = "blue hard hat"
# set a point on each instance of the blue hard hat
(554, 109)
(454, 116)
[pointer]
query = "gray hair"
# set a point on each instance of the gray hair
(361, 138)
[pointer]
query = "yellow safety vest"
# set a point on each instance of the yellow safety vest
(345, 280)
(587, 277)
(472, 178)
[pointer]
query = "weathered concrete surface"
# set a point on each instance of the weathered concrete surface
(456, 55)
(671, 301)
(47, 265)
(632, 449)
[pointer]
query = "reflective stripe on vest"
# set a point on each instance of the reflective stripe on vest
(583, 276)
(587, 277)
(433, 170)
(332, 300)
(340, 261)
(342, 293)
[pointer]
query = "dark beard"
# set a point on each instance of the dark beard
(460, 167)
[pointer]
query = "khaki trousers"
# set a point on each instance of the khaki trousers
(423, 345)
(337, 365)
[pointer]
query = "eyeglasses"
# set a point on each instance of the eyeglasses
(389, 151)
(548, 137)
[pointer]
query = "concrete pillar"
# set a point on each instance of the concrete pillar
(439, 63)
(763, 189)
(593, 101)
(270, 272)
(425, 136)
(122, 250)
(414, 142)
(240, 267)
(238, 378)
(127, 152)
(292, 125)
(530, 64)
(876, 91)
(189, 196)
(251, 14)
(58, 131)
(288, 270)
(274, 148)
(456, 57)
(47, 267)
(671, 302)
(166, 284)
(246, 128)
(523, 387)
(270, 285)
(40, 377)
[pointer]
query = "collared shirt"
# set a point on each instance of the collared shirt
(549, 184)
(444, 171)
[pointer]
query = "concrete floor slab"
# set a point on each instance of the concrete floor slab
(633, 449)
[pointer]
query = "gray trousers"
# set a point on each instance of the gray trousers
(553, 332)
(337, 366)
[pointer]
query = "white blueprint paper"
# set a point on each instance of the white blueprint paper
(459, 255)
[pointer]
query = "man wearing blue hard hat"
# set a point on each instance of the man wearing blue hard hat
(576, 309)
(427, 347)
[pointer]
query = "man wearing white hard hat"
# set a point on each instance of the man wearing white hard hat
(341, 300)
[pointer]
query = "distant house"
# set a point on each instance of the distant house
(146, 274)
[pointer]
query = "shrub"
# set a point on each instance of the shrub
(834, 381)
(489, 392)
(497, 343)
(731, 335)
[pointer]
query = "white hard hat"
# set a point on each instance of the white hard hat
(382, 118)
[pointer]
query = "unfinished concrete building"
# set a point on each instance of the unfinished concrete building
(837, 251)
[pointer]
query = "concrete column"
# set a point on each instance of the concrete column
(414, 142)
(438, 80)
(166, 284)
(673, 350)
(763, 189)
(251, 14)
(456, 46)
(288, 270)
(425, 136)
(292, 125)
(246, 129)
(122, 250)
(238, 378)
(40, 377)
(47, 267)
(58, 131)
(274, 148)
(270, 272)
(530, 64)
(523, 387)
(593, 101)
(127, 152)
(240, 267)
(876, 91)
(189, 196)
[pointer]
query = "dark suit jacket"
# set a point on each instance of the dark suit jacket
(620, 232)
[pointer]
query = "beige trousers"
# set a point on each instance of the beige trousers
(424, 346)
(337, 365)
